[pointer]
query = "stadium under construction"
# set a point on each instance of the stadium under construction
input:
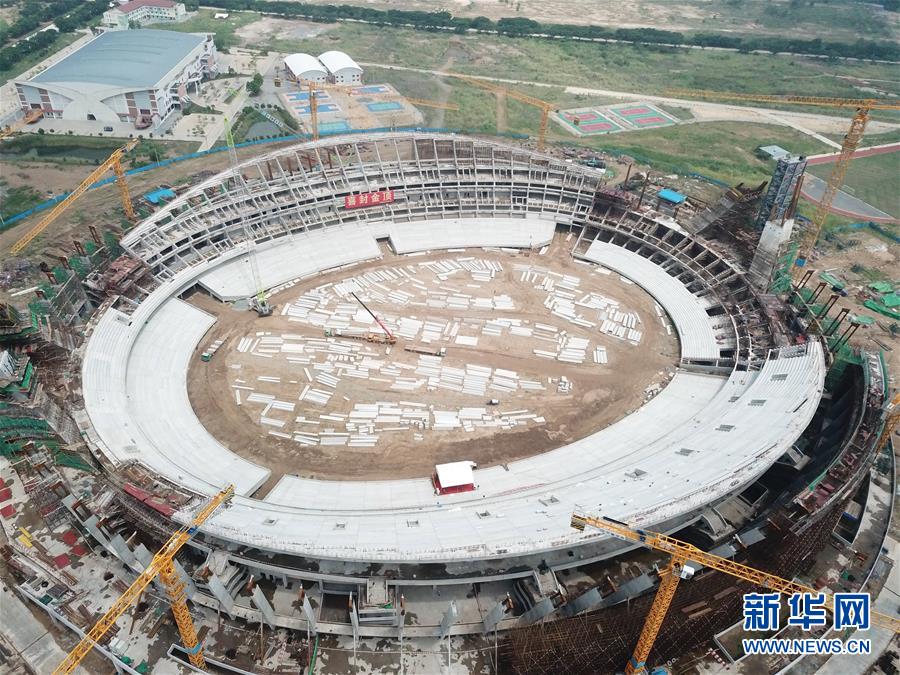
(457, 344)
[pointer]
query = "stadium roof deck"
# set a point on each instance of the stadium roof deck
(133, 59)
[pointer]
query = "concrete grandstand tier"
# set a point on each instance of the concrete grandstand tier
(706, 436)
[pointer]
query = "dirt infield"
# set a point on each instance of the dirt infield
(526, 422)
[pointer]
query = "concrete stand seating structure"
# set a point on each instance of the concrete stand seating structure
(734, 408)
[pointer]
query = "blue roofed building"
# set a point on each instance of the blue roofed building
(136, 76)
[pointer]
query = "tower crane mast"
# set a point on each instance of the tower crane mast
(682, 553)
(162, 565)
(545, 107)
(862, 108)
(114, 162)
(258, 302)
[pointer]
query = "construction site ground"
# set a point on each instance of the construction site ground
(601, 393)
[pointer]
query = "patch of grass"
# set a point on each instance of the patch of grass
(871, 179)
(612, 66)
(17, 199)
(64, 149)
(721, 150)
(196, 109)
(204, 22)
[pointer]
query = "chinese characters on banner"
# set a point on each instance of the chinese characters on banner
(368, 199)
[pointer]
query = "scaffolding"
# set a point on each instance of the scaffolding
(602, 641)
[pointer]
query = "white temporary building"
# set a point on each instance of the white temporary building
(454, 477)
(305, 67)
(341, 68)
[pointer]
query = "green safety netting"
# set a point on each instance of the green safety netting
(876, 306)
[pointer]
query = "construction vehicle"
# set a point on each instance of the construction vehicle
(114, 162)
(31, 117)
(162, 565)
(543, 106)
(351, 334)
(863, 107)
(686, 559)
(391, 339)
(259, 303)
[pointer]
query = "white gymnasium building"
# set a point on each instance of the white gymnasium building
(137, 76)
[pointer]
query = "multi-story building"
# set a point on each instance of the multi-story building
(137, 76)
(141, 12)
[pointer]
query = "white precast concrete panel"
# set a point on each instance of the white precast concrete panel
(698, 340)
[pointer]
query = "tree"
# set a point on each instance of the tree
(255, 85)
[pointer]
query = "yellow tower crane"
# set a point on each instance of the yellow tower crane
(432, 104)
(545, 107)
(313, 110)
(163, 564)
(682, 553)
(862, 106)
(114, 162)
(31, 117)
(891, 420)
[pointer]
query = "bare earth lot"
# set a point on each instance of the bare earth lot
(601, 393)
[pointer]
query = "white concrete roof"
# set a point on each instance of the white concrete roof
(301, 64)
(700, 439)
(335, 61)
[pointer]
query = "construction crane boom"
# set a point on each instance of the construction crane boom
(386, 330)
(682, 553)
(862, 107)
(163, 564)
(821, 101)
(31, 117)
(432, 104)
(112, 162)
(544, 106)
(259, 302)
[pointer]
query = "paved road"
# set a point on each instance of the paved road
(830, 157)
(843, 203)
